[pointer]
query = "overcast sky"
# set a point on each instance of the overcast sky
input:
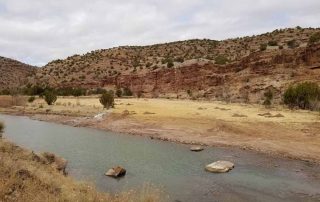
(38, 31)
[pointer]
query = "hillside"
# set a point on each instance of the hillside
(239, 69)
(13, 73)
(235, 69)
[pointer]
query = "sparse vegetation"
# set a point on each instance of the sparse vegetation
(107, 100)
(292, 43)
(170, 64)
(221, 60)
(31, 99)
(50, 97)
(314, 38)
(189, 92)
(272, 43)
(304, 95)
(268, 96)
(127, 92)
(119, 92)
(263, 47)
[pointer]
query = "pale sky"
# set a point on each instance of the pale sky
(38, 31)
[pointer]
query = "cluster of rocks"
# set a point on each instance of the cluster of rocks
(215, 167)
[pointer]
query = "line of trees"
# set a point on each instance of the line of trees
(67, 91)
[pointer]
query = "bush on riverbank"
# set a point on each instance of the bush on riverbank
(107, 100)
(304, 96)
(50, 97)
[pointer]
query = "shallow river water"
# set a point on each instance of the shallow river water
(172, 167)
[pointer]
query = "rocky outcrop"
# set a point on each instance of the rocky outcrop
(243, 81)
(56, 162)
(220, 167)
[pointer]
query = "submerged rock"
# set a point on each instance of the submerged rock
(220, 167)
(196, 148)
(116, 172)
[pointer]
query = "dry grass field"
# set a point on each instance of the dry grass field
(293, 133)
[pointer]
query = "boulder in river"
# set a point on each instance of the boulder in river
(196, 148)
(116, 172)
(220, 167)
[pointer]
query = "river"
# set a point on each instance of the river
(169, 166)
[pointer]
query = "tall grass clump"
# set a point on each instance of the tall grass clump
(304, 96)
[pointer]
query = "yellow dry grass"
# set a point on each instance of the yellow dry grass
(186, 109)
(162, 109)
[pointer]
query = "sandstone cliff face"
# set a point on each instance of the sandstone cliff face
(246, 80)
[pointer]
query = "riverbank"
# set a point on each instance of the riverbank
(26, 176)
(276, 131)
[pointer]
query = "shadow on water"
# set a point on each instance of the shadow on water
(172, 167)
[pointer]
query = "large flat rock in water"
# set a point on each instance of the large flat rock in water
(196, 148)
(220, 167)
(116, 172)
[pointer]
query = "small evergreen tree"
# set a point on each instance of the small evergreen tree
(107, 100)
(119, 92)
(170, 64)
(50, 97)
(127, 92)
